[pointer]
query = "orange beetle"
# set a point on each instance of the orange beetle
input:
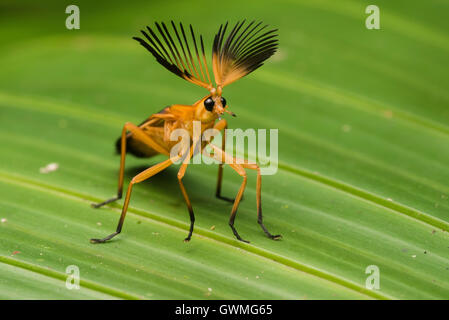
(244, 50)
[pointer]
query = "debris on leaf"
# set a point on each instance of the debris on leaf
(212, 228)
(388, 114)
(49, 168)
(62, 123)
(3, 220)
(346, 128)
(15, 252)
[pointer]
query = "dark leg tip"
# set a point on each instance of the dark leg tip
(236, 234)
(187, 239)
(269, 235)
(98, 205)
(226, 199)
(97, 240)
(104, 239)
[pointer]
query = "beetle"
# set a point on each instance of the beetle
(234, 55)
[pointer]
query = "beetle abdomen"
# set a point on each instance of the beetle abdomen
(135, 147)
(153, 128)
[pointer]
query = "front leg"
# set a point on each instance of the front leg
(259, 200)
(181, 174)
(223, 157)
(221, 125)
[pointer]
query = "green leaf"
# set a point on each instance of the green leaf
(362, 180)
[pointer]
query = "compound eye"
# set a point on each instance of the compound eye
(223, 102)
(209, 104)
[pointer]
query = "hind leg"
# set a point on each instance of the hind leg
(144, 137)
(144, 175)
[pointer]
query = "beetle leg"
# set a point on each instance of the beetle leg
(144, 175)
(181, 173)
(135, 130)
(241, 172)
(259, 200)
(239, 168)
(223, 157)
(222, 125)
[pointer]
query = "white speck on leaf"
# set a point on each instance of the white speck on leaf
(49, 168)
